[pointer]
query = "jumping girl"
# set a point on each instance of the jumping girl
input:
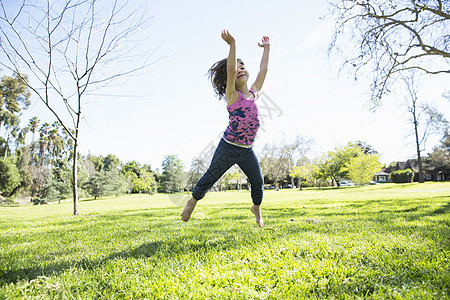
(229, 79)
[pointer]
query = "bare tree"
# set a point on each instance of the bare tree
(274, 162)
(69, 49)
(426, 120)
(296, 152)
(391, 37)
(199, 165)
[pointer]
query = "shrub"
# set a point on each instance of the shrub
(402, 176)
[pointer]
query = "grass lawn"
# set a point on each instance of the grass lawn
(379, 242)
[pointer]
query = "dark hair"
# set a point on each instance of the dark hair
(218, 76)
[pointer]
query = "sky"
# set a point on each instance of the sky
(171, 108)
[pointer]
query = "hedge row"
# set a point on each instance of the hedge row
(402, 176)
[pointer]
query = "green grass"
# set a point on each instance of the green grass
(379, 242)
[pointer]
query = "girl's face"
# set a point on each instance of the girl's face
(241, 72)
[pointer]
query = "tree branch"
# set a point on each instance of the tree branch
(393, 36)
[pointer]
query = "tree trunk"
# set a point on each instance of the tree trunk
(419, 161)
(335, 180)
(75, 161)
(419, 158)
(75, 177)
(6, 146)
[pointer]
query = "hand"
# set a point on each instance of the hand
(265, 42)
(227, 37)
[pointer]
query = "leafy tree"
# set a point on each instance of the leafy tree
(56, 189)
(3, 147)
(365, 148)
(327, 170)
(362, 168)
(15, 96)
(440, 157)
(96, 184)
(140, 179)
(23, 161)
(57, 177)
(172, 177)
(9, 177)
(391, 167)
(144, 183)
(303, 172)
(352, 161)
(105, 184)
(97, 162)
(105, 163)
(386, 38)
(333, 165)
(131, 167)
(111, 162)
(101, 176)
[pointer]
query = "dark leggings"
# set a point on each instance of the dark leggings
(225, 156)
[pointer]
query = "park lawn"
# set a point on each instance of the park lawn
(380, 242)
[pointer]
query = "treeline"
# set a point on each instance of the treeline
(291, 163)
(42, 169)
(37, 161)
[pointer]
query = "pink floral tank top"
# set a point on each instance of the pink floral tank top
(244, 121)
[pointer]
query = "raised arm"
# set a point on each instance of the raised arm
(230, 91)
(265, 43)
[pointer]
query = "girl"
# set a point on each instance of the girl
(229, 79)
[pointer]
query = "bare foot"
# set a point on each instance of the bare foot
(256, 210)
(188, 209)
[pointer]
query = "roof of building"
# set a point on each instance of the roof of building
(381, 173)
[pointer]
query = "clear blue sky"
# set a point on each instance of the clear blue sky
(171, 108)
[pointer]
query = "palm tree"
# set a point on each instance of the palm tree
(43, 141)
(32, 126)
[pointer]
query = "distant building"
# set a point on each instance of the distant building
(430, 172)
(381, 177)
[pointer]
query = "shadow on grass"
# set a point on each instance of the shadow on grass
(145, 250)
(376, 208)
(166, 237)
(16, 275)
(442, 210)
(172, 237)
